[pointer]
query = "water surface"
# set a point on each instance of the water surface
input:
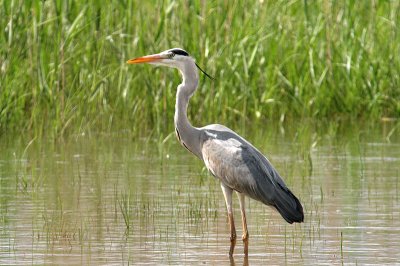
(117, 200)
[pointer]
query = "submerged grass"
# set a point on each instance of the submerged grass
(124, 204)
(62, 63)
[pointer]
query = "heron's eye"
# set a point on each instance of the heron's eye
(171, 55)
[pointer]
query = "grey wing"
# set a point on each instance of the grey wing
(243, 168)
(236, 166)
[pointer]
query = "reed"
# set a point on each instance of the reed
(63, 70)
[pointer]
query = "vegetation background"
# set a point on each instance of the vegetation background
(63, 70)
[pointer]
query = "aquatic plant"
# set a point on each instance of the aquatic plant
(62, 63)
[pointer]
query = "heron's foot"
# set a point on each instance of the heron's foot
(233, 244)
(245, 261)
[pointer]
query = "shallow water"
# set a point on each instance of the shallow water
(113, 199)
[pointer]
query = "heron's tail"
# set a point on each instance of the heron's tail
(289, 206)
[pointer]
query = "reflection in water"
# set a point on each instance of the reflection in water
(112, 200)
(245, 261)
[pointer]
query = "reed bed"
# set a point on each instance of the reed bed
(63, 70)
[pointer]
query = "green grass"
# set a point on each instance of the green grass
(62, 63)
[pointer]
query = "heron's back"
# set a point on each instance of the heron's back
(240, 166)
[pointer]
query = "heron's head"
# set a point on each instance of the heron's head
(175, 57)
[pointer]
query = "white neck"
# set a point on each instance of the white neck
(188, 135)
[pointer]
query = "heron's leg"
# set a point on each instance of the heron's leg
(245, 235)
(228, 200)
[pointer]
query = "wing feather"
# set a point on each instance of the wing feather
(240, 166)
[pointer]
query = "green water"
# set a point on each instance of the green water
(114, 199)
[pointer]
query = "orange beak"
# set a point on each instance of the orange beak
(146, 59)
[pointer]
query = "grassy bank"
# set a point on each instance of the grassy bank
(62, 63)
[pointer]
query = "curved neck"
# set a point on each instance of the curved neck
(188, 135)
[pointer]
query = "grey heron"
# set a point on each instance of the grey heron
(238, 165)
